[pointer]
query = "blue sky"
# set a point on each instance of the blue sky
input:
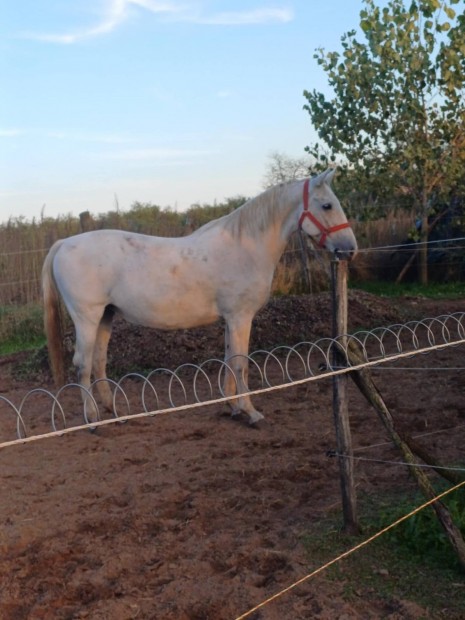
(171, 102)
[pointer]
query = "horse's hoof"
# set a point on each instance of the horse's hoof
(255, 417)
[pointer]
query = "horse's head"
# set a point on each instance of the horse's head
(323, 219)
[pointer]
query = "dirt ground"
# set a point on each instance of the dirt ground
(193, 515)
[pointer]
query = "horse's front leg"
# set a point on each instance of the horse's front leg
(237, 337)
(82, 360)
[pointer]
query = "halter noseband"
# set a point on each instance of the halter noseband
(306, 213)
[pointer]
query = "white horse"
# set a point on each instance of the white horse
(224, 269)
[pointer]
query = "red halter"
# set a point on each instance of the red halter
(306, 213)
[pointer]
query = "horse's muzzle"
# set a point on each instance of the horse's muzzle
(345, 254)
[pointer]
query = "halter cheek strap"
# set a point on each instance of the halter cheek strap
(307, 214)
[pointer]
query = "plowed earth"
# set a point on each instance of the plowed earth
(193, 515)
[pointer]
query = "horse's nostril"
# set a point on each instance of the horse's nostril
(344, 254)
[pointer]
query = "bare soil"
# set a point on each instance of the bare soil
(193, 515)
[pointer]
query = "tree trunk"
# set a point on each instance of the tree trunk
(423, 251)
(409, 263)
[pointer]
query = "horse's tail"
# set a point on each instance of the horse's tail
(53, 319)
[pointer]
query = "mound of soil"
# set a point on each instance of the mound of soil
(283, 321)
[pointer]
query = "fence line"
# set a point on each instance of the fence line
(19, 282)
(333, 453)
(372, 343)
(20, 252)
(19, 289)
(405, 246)
(413, 245)
(344, 555)
(419, 436)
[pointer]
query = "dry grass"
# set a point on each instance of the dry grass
(24, 246)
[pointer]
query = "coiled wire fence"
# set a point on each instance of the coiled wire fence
(191, 386)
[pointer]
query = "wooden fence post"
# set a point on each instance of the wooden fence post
(86, 221)
(364, 382)
(339, 271)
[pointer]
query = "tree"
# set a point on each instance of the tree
(398, 111)
(197, 215)
(282, 168)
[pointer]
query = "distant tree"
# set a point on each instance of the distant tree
(197, 215)
(397, 116)
(281, 168)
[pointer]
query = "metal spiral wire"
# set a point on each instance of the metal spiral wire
(197, 383)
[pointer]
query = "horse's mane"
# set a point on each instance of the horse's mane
(257, 214)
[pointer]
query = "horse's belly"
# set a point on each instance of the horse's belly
(172, 315)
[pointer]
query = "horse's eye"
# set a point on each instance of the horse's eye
(327, 206)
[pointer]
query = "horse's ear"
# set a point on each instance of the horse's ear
(325, 177)
(329, 175)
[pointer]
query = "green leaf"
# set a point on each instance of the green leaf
(365, 25)
(443, 27)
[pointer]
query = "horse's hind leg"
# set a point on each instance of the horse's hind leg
(100, 357)
(237, 336)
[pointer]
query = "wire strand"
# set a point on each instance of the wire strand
(419, 436)
(332, 454)
(413, 245)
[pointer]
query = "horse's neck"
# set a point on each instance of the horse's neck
(268, 220)
(286, 223)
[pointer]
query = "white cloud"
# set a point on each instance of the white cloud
(159, 7)
(118, 11)
(10, 133)
(224, 94)
(241, 18)
(159, 155)
(72, 136)
(82, 136)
